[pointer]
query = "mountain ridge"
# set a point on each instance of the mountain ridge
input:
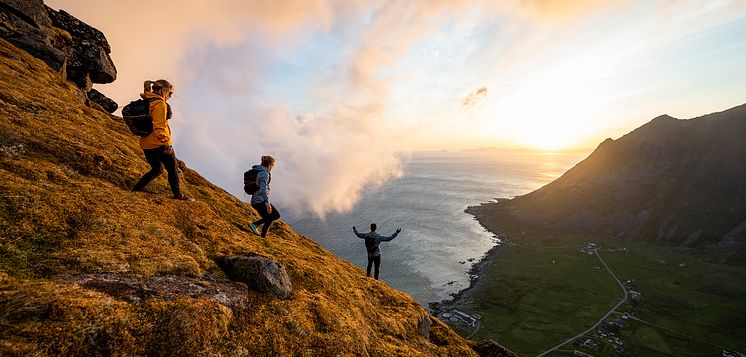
(671, 181)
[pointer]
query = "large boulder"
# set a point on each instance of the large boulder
(138, 289)
(31, 11)
(105, 102)
(88, 54)
(76, 50)
(26, 24)
(260, 273)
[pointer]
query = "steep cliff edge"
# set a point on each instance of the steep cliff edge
(89, 267)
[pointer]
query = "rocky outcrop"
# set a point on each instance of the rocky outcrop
(163, 288)
(260, 273)
(102, 100)
(26, 24)
(88, 53)
(71, 47)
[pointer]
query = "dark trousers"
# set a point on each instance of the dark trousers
(157, 160)
(371, 262)
(267, 218)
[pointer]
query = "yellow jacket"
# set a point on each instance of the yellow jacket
(161, 134)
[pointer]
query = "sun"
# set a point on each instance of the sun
(551, 111)
(546, 140)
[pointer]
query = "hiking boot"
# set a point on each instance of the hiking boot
(253, 228)
(184, 198)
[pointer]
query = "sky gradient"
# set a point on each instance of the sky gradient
(337, 90)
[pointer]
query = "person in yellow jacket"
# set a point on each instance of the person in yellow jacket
(157, 146)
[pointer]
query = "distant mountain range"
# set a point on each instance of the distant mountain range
(673, 182)
(524, 150)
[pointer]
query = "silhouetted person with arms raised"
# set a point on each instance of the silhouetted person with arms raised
(372, 240)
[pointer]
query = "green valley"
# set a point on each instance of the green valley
(542, 289)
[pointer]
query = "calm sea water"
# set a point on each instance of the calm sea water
(439, 242)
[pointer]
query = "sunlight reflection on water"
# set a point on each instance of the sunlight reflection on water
(439, 241)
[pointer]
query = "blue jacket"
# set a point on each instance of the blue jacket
(262, 179)
(372, 240)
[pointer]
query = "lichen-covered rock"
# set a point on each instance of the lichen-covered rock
(260, 273)
(26, 25)
(73, 48)
(32, 11)
(89, 51)
(163, 288)
(105, 102)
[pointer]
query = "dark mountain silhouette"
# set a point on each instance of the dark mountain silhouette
(673, 182)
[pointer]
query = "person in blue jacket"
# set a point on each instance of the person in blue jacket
(372, 240)
(260, 198)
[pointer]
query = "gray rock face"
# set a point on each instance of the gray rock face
(260, 273)
(77, 50)
(423, 327)
(31, 11)
(26, 25)
(102, 100)
(88, 54)
(163, 288)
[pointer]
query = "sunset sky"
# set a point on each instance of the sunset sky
(335, 89)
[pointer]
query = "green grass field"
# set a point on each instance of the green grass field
(543, 290)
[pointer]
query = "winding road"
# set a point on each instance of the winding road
(600, 320)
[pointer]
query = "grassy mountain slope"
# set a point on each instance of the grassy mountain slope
(89, 267)
(671, 182)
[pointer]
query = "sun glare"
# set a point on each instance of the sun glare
(552, 110)
(546, 140)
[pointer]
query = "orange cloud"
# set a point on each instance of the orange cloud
(474, 97)
(564, 12)
(149, 39)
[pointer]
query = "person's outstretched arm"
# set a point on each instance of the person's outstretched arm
(359, 235)
(386, 239)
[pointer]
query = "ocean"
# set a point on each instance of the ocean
(439, 242)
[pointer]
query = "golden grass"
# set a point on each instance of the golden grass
(66, 208)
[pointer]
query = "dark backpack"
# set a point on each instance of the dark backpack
(137, 116)
(250, 185)
(371, 245)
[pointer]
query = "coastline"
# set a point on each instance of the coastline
(478, 269)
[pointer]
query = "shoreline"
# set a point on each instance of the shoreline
(478, 269)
